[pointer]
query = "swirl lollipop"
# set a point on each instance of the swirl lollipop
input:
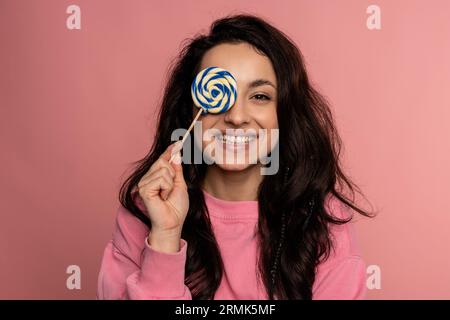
(214, 91)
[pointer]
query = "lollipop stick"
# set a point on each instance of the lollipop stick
(187, 133)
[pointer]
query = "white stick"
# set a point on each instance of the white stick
(186, 134)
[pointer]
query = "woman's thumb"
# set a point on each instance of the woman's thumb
(176, 162)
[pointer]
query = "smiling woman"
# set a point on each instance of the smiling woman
(224, 230)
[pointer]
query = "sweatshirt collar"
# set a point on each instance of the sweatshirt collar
(231, 210)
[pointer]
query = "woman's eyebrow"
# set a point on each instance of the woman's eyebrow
(260, 82)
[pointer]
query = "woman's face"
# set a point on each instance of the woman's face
(237, 139)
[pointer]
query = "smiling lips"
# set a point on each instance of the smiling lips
(236, 139)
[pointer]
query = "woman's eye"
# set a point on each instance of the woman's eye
(261, 97)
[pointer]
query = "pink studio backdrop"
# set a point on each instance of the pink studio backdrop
(78, 106)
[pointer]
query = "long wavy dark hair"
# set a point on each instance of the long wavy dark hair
(293, 224)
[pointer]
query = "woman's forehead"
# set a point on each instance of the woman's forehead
(242, 61)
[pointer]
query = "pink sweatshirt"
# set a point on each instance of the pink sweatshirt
(132, 269)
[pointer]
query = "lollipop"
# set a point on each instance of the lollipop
(214, 91)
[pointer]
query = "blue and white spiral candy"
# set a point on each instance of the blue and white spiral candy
(214, 90)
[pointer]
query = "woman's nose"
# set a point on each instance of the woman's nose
(237, 115)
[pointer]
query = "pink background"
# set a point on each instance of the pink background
(78, 106)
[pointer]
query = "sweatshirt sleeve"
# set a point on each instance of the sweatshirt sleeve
(343, 275)
(132, 270)
(346, 280)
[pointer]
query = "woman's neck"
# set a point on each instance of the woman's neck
(233, 185)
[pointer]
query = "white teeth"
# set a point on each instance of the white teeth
(230, 139)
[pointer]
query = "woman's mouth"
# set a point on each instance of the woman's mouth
(235, 146)
(236, 140)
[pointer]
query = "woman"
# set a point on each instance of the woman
(224, 230)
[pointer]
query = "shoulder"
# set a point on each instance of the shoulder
(129, 232)
(343, 236)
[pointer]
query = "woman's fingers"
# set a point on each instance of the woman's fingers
(172, 172)
(160, 163)
(171, 150)
(166, 191)
(163, 170)
(178, 168)
(175, 155)
(175, 168)
(160, 181)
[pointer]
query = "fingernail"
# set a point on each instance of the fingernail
(177, 158)
(177, 146)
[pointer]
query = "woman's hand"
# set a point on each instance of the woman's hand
(164, 193)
